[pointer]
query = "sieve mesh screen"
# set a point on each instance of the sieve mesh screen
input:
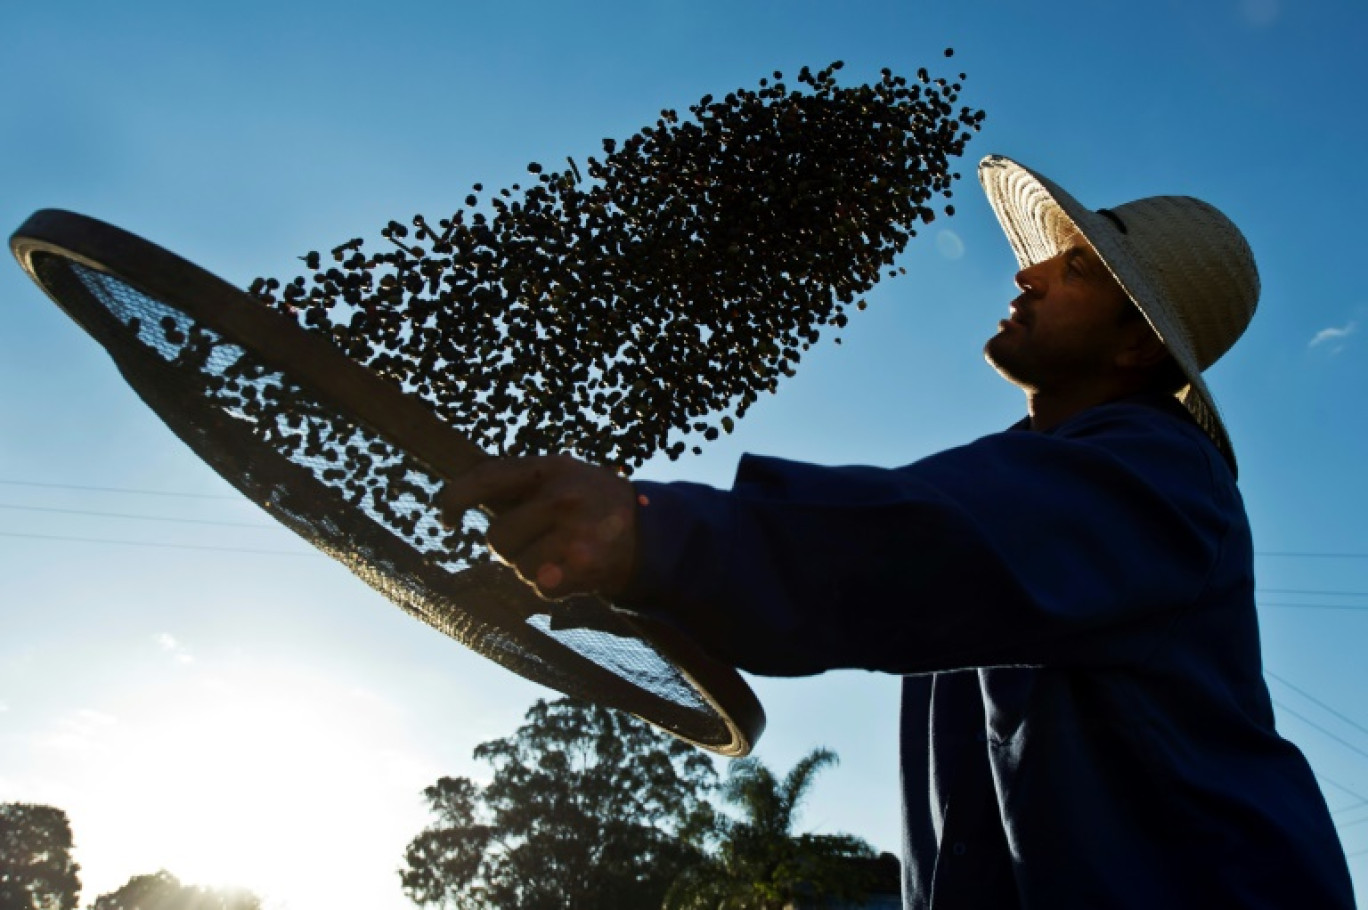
(367, 503)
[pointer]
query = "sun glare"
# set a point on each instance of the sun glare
(276, 781)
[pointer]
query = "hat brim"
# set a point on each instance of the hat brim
(1039, 218)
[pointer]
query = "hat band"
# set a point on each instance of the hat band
(1115, 219)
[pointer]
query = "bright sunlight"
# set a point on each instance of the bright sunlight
(271, 779)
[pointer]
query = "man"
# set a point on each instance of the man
(1070, 602)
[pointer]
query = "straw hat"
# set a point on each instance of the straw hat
(1184, 264)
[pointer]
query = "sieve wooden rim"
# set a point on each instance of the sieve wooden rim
(359, 395)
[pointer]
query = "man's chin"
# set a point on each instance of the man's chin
(1000, 359)
(994, 351)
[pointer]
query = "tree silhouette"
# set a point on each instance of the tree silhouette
(163, 891)
(589, 809)
(36, 869)
(760, 864)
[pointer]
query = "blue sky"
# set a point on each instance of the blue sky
(263, 718)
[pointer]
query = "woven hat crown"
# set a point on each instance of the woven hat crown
(1184, 264)
(1199, 264)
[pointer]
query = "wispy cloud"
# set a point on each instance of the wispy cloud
(169, 644)
(1333, 335)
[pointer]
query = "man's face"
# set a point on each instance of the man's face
(1066, 326)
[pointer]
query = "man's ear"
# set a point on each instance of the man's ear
(1141, 348)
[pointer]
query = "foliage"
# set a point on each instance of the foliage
(588, 808)
(760, 863)
(36, 869)
(163, 891)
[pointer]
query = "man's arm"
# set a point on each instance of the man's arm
(1074, 547)
(1080, 547)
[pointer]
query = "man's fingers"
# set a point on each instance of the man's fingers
(556, 565)
(565, 526)
(534, 538)
(494, 483)
(518, 528)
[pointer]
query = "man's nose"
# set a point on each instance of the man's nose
(1030, 279)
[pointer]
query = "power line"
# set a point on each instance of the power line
(1359, 607)
(1316, 701)
(1342, 809)
(193, 521)
(166, 546)
(1362, 800)
(1324, 593)
(1312, 555)
(70, 486)
(238, 498)
(1344, 742)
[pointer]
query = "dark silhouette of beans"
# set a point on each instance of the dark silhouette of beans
(616, 309)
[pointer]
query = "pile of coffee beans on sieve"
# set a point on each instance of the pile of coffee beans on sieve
(644, 301)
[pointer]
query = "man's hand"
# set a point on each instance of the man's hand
(565, 526)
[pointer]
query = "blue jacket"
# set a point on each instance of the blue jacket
(1085, 722)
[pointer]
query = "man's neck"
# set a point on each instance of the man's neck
(1049, 410)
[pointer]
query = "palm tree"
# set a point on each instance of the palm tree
(760, 864)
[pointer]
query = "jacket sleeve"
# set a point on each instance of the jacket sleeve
(1074, 547)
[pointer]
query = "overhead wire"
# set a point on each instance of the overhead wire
(64, 538)
(1313, 593)
(1316, 701)
(1350, 607)
(242, 499)
(1309, 555)
(1339, 739)
(1362, 800)
(96, 514)
(95, 489)
(170, 493)
(167, 546)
